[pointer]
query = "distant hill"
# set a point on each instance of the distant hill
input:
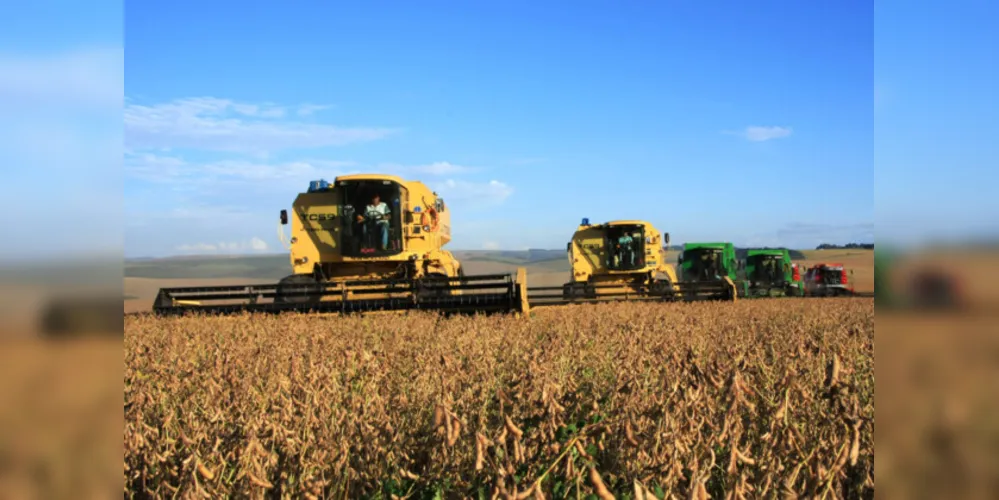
(518, 257)
(267, 267)
(275, 267)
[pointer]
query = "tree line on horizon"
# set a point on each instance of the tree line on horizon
(848, 246)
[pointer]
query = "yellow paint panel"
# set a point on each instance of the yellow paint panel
(316, 220)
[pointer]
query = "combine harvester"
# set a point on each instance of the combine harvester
(365, 243)
(623, 260)
(711, 264)
(764, 272)
(829, 280)
(770, 273)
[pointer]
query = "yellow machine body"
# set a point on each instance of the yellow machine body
(598, 257)
(328, 241)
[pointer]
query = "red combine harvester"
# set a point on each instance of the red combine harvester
(827, 280)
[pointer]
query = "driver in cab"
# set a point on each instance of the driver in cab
(378, 212)
(709, 266)
(625, 256)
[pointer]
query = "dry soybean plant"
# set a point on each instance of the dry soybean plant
(757, 399)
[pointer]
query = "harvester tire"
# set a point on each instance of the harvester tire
(298, 289)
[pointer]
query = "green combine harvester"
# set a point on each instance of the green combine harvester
(769, 272)
(710, 262)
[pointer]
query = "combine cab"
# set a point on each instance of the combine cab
(711, 268)
(364, 243)
(827, 280)
(770, 273)
(623, 260)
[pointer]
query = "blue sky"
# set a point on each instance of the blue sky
(936, 125)
(61, 87)
(708, 121)
(760, 123)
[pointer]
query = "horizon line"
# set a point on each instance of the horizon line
(273, 254)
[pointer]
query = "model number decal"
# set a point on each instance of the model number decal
(318, 217)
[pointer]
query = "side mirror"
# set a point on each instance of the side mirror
(284, 217)
(666, 239)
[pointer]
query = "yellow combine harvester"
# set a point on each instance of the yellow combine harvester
(367, 242)
(624, 260)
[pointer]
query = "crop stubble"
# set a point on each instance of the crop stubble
(754, 399)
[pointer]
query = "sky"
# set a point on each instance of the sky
(936, 121)
(708, 121)
(61, 88)
(188, 128)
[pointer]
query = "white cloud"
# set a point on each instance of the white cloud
(210, 123)
(253, 245)
(174, 170)
(198, 248)
(759, 134)
(155, 168)
(478, 193)
(238, 169)
(309, 109)
(438, 168)
(78, 78)
(258, 245)
(490, 245)
(441, 168)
